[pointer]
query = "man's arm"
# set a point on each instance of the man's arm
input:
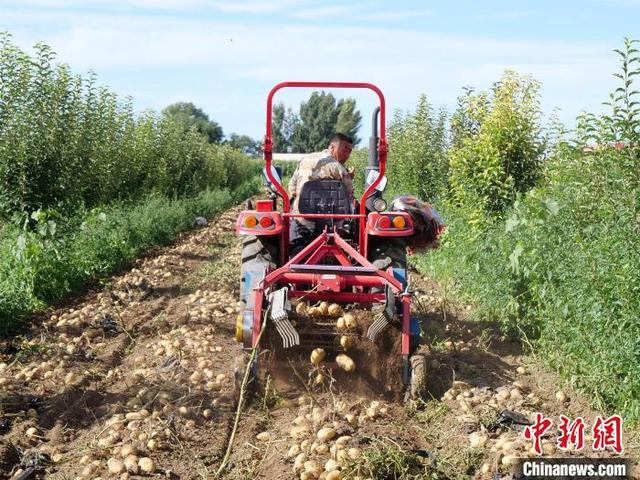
(348, 183)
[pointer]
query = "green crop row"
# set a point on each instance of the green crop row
(86, 185)
(543, 224)
(66, 142)
(40, 266)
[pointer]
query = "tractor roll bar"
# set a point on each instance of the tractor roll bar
(268, 142)
(382, 144)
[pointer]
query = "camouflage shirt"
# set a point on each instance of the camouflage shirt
(319, 166)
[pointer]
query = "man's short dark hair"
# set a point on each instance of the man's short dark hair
(341, 137)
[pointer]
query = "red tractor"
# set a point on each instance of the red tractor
(362, 263)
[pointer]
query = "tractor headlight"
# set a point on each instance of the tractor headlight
(379, 205)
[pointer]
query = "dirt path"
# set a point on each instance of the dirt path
(135, 380)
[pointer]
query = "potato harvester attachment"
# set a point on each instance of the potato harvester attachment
(354, 259)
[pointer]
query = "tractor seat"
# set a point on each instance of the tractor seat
(324, 196)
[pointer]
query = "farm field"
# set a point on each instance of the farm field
(123, 272)
(145, 367)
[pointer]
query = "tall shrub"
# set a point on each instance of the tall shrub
(562, 265)
(498, 144)
(417, 151)
(67, 142)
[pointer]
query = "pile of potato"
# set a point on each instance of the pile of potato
(323, 441)
(210, 304)
(346, 325)
(505, 447)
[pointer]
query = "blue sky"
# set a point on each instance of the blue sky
(225, 55)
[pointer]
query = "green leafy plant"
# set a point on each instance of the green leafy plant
(418, 152)
(498, 145)
(66, 142)
(558, 263)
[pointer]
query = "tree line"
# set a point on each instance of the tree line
(307, 130)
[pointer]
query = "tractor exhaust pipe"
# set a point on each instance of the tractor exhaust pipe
(374, 161)
(373, 140)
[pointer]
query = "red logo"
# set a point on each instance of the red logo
(571, 433)
(608, 433)
(536, 431)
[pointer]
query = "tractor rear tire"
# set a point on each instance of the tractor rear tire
(418, 378)
(388, 252)
(259, 254)
(263, 250)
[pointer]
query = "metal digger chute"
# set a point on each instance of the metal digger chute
(356, 258)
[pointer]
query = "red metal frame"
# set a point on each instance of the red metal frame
(354, 270)
(268, 154)
(287, 274)
(306, 276)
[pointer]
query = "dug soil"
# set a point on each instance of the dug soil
(135, 379)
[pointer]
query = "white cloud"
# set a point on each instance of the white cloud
(322, 12)
(394, 15)
(112, 4)
(245, 59)
(256, 7)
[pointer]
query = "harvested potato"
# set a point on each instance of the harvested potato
(354, 453)
(146, 465)
(115, 465)
(561, 396)
(294, 451)
(326, 434)
(478, 439)
(263, 436)
(346, 342)
(345, 363)
(299, 431)
(318, 355)
(323, 308)
(127, 449)
(350, 321)
(131, 463)
(152, 445)
(298, 463)
(331, 465)
(313, 468)
(335, 310)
